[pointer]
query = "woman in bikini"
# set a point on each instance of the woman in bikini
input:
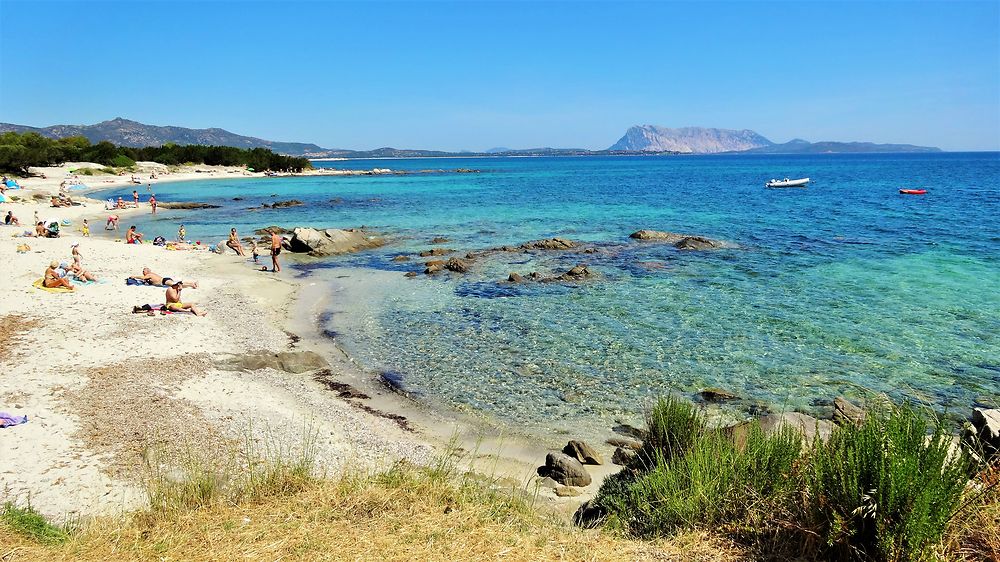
(53, 279)
(234, 242)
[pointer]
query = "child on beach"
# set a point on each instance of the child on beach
(253, 250)
(85, 229)
(181, 233)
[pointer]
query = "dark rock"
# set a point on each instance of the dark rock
(577, 273)
(623, 456)
(401, 258)
(237, 198)
(435, 252)
(564, 469)
(846, 413)
(264, 231)
(534, 275)
(434, 266)
(439, 240)
(567, 491)
(582, 452)
(343, 390)
(625, 443)
(716, 395)
(588, 516)
(515, 278)
(630, 431)
(457, 265)
(987, 422)
(410, 274)
(185, 205)
(549, 244)
(289, 203)
(697, 243)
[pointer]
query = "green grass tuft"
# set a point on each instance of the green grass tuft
(30, 523)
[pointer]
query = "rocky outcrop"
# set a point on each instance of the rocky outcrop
(185, 205)
(623, 456)
(583, 452)
(565, 470)
(679, 241)
(439, 240)
(716, 395)
(331, 241)
(696, 140)
(282, 204)
(809, 427)
(577, 273)
(984, 433)
(266, 231)
(846, 413)
(457, 265)
(515, 277)
(435, 252)
(538, 245)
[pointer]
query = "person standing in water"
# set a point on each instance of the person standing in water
(275, 250)
(152, 202)
(135, 197)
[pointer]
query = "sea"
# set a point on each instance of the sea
(844, 288)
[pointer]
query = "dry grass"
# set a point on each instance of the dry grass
(406, 513)
(127, 410)
(12, 328)
(975, 533)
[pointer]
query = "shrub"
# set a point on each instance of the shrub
(122, 161)
(886, 489)
(28, 522)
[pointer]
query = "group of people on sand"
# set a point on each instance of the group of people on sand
(58, 274)
(174, 303)
(277, 241)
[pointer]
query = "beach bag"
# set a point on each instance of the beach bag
(54, 229)
(159, 241)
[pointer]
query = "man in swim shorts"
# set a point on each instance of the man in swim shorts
(275, 250)
(150, 278)
(174, 303)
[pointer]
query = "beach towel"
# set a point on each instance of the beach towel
(7, 420)
(39, 285)
(13, 184)
(3, 199)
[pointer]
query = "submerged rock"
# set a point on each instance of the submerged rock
(439, 240)
(564, 469)
(331, 241)
(185, 205)
(435, 252)
(577, 273)
(679, 241)
(515, 278)
(401, 258)
(583, 452)
(716, 395)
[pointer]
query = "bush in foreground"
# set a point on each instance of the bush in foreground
(886, 489)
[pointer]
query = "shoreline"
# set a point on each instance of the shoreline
(90, 359)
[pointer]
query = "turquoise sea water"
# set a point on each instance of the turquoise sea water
(841, 288)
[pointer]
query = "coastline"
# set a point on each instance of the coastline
(105, 389)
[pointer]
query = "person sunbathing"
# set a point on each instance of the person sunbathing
(133, 236)
(41, 231)
(54, 278)
(174, 303)
(150, 278)
(78, 272)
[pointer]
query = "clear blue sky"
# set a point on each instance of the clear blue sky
(477, 75)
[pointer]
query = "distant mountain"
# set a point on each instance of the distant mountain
(124, 132)
(799, 146)
(697, 140)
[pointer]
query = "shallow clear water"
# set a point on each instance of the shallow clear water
(843, 286)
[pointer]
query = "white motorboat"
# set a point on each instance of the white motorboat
(787, 183)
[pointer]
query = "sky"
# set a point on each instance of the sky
(477, 75)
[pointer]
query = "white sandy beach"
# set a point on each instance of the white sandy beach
(104, 388)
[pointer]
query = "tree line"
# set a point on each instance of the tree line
(20, 151)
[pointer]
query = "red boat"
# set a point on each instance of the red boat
(913, 191)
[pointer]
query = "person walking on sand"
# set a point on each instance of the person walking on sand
(77, 256)
(174, 303)
(234, 243)
(152, 202)
(275, 250)
(135, 197)
(85, 229)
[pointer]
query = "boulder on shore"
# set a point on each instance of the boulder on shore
(809, 427)
(565, 470)
(846, 413)
(331, 241)
(582, 452)
(984, 434)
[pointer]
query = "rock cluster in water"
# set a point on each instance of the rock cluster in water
(332, 241)
(679, 241)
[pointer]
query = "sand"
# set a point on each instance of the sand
(105, 390)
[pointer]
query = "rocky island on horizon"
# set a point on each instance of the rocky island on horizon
(638, 139)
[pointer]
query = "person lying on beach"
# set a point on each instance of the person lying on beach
(78, 272)
(53, 278)
(62, 201)
(150, 278)
(234, 243)
(133, 236)
(174, 303)
(121, 203)
(10, 219)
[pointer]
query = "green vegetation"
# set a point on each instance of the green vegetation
(29, 523)
(886, 489)
(19, 151)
